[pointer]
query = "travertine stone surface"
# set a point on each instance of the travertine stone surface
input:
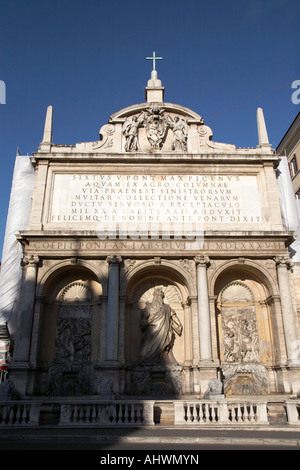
(156, 204)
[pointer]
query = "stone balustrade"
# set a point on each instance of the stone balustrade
(209, 412)
(225, 412)
(19, 413)
(120, 413)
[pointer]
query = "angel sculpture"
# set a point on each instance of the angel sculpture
(130, 131)
(180, 133)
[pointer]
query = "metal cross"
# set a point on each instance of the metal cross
(154, 58)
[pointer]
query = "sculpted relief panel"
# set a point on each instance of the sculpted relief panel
(73, 334)
(70, 373)
(156, 124)
(158, 127)
(239, 326)
(242, 369)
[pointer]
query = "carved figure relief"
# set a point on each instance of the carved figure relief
(73, 332)
(159, 323)
(156, 124)
(180, 133)
(130, 131)
(239, 326)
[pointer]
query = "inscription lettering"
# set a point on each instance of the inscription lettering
(157, 199)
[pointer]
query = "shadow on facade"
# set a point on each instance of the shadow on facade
(70, 382)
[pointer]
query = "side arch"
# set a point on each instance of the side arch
(68, 324)
(247, 320)
(66, 266)
(249, 267)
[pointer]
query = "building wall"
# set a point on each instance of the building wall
(228, 289)
(290, 147)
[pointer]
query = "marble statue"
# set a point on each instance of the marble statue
(130, 131)
(180, 133)
(159, 323)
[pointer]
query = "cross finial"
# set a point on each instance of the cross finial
(154, 58)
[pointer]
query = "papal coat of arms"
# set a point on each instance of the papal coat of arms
(156, 124)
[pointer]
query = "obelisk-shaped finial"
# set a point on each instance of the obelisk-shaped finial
(47, 137)
(263, 139)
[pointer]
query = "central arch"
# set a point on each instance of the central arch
(139, 288)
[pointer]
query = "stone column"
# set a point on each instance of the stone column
(112, 328)
(188, 340)
(203, 309)
(287, 308)
(26, 319)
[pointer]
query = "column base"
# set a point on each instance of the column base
(294, 377)
(208, 369)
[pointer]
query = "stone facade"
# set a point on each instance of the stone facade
(155, 205)
(290, 146)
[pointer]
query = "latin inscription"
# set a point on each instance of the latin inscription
(182, 200)
(149, 245)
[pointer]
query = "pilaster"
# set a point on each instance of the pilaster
(112, 336)
(30, 264)
(289, 325)
(203, 309)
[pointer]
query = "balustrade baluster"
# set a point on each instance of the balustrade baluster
(94, 414)
(11, 416)
(126, 413)
(206, 412)
(139, 413)
(252, 413)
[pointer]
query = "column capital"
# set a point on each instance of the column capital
(30, 260)
(202, 260)
(283, 261)
(114, 259)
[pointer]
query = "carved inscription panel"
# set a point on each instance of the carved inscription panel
(184, 203)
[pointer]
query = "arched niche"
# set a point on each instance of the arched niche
(70, 318)
(140, 290)
(242, 292)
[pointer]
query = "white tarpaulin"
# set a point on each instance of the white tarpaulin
(288, 205)
(17, 219)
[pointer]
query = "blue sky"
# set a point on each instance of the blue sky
(86, 58)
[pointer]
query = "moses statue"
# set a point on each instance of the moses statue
(159, 323)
